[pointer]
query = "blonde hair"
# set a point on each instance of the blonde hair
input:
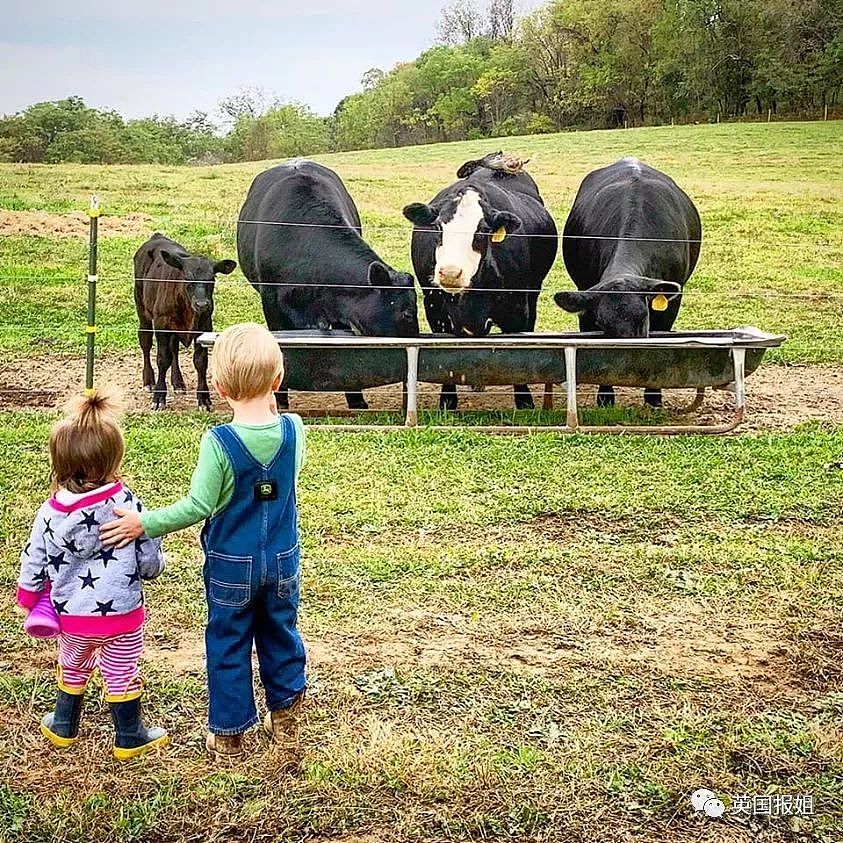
(87, 446)
(246, 361)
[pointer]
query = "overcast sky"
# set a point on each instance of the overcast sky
(153, 56)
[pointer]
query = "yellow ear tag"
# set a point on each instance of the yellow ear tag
(659, 302)
(499, 236)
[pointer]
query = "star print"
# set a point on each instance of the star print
(106, 555)
(133, 577)
(89, 521)
(41, 576)
(60, 604)
(48, 530)
(140, 506)
(88, 581)
(105, 608)
(57, 561)
(128, 497)
(26, 549)
(70, 546)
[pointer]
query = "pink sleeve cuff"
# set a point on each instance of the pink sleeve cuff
(27, 599)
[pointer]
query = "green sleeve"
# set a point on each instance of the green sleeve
(301, 441)
(210, 490)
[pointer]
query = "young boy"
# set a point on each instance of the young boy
(244, 484)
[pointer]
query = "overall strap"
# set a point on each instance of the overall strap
(237, 453)
(288, 439)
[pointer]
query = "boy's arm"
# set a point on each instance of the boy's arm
(33, 565)
(212, 475)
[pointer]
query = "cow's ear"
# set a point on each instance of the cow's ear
(379, 275)
(172, 260)
(420, 214)
(503, 220)
(573, 302)
(225, 267)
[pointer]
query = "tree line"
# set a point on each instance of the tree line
(570, 64)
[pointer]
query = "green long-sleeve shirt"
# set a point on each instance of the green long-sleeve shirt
(212, 484)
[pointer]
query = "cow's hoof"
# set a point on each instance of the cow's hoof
(159, 405)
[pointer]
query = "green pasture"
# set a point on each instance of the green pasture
(770, 196)
(550, 639)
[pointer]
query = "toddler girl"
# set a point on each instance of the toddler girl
(96, 590)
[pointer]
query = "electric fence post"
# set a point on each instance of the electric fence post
(91, 328)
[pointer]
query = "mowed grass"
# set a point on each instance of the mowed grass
(536, 639)
(770, 197)
(544, 638)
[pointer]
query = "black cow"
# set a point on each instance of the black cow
(174, 297)
(321, 273)
(473, 275)
(630, 243)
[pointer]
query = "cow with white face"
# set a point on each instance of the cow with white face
(473, 274)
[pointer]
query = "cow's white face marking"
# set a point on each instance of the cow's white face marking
(456, 261)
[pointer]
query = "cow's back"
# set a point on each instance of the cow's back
(289, 210)
(159, 287)
(626, 207)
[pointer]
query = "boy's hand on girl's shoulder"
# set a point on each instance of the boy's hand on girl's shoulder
(123, 530)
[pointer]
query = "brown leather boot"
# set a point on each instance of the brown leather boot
(283, 725)
(223, 747)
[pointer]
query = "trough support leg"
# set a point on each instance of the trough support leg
(547, 403)
(571, 385)
(412, 417)
(739, 362)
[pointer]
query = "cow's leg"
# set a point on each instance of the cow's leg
(145, 332)
(605, 396)
(523, 397)
(276, 320)
(653, 397)
(518, 316)
(356, 401)
(200, 362)
(176, 377)
(165, 358)
(448, 397)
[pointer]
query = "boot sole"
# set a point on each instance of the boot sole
(122, 754)
(57, 740)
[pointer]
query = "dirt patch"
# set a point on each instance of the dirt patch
(779, 397)
(690, 643)
(74, 224)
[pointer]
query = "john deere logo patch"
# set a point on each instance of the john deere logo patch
(266, 490)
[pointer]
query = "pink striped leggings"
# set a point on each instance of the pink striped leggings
(116, 656)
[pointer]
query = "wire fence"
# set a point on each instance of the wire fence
(731, 293)
(685, 293)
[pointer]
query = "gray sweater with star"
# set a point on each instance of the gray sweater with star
(95, 590)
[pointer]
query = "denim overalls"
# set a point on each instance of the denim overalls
(252, 583)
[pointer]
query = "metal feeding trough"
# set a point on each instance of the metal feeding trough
(339, 360)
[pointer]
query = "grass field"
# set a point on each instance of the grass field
(550, 639)
(770, 196)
